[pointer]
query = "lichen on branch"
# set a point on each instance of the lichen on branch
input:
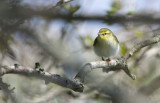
(48, 77)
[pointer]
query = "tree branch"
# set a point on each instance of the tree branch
(48, 77)
(60, 2)
(145, 43)
(113, 65)
(116, 64)
(108, 19)
(8, 92)
(48, 14)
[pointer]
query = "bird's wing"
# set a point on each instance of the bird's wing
(116, 39)
(95, 41)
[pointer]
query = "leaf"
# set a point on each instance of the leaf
(71, 9)
(131, 12)
(124, 49)
(74, 9)
(116, 5)
(111, 12)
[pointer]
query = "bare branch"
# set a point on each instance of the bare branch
(145, 43)
(113, 65)
(8, 92)
(48, 77)
(60, 2)
(116, 64)
(139, 18)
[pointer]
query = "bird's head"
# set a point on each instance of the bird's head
(104, 32)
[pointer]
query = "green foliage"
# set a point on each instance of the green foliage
(115, 7)
(71, 9)
(123, 49)
(74, 9)
(111, 12)
(131, 12)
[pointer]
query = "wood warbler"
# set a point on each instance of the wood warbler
(106, 44)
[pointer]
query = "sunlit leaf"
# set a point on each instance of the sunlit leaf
(74, 9)
(111, 12)
(70, 8)
(116, 5)
(131, 12)
(123, 49)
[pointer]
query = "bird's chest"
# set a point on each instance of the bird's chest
(106, 48)
(106, 44)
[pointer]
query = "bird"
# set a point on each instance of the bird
(106, 44)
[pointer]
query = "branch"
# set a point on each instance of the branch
(8, 92)
(116, 64)
(60, 2)
(121, 19)
(145, 43)
(48, 14)
(53, 78)
(139, 18)
(23, 12)
(113, 65)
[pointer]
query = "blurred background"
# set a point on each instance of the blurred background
(60, 36)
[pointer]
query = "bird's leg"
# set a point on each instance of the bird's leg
(108, 60)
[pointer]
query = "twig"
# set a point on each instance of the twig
(145, 43)
(53, 78)
(8, 92)
(60, 2)
(141, 56)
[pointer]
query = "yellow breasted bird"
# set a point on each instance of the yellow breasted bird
(106, 44)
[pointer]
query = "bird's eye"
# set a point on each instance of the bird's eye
(105, 34)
